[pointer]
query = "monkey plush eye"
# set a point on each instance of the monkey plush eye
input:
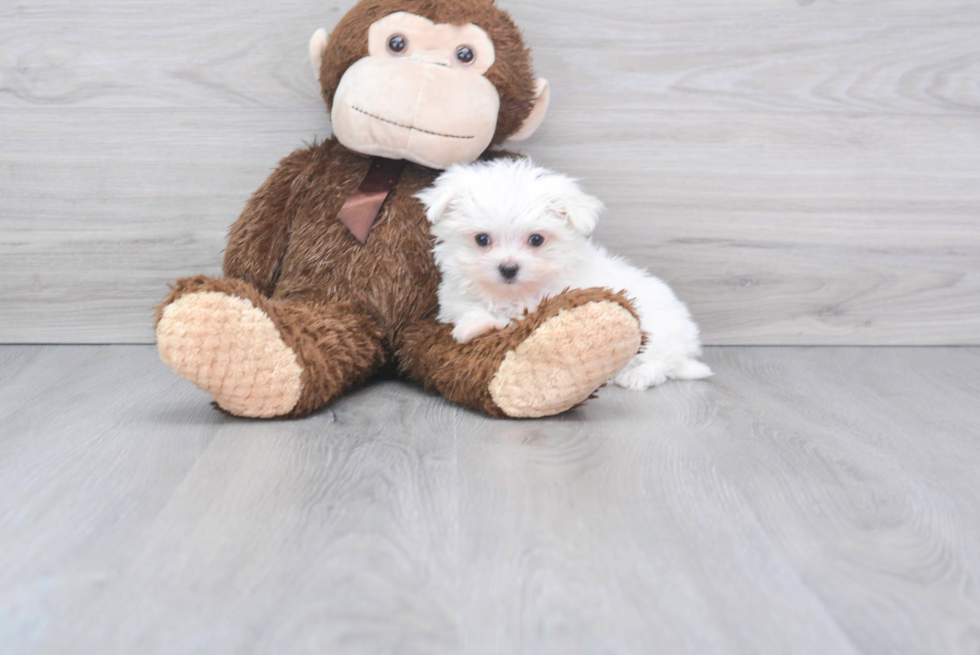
(465, 55)
(397, 44)
(483, 240)
(536, 240)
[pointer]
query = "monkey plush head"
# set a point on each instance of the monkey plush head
(436, 82)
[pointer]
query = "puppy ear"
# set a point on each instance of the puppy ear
(580, 210)
(438, 200)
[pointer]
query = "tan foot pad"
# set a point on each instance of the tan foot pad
(232, 350)
(565, 360)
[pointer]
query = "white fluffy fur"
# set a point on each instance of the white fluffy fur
(511, 200)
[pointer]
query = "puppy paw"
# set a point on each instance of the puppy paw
(640, 377)
(651, 374)
(692, 369)
(469, 329)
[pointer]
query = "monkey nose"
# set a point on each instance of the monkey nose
(508, 271)
(436, 57)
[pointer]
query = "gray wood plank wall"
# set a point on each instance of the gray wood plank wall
(801, 172)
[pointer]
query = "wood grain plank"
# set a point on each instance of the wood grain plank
(802, 174)
(852, 57)
(878, 475)
(789, 230)
(897, 57)
(101, 214)
(136, 517)
(793, 229)
(810, 500)
(817, 524)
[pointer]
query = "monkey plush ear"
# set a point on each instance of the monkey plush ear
(542, 96)
(580, 210)
(318, 43)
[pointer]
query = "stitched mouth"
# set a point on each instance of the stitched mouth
(408, 127)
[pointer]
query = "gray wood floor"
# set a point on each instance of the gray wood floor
(802, 172)
(802, 501)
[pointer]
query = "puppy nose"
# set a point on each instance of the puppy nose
(509, 271)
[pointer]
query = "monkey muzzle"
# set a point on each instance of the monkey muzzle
(416, 109)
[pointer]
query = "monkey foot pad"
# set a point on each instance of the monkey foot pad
(232, 350)
(566, 360)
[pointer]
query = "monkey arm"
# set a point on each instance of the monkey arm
(258, 239)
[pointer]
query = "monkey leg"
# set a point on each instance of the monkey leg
(263, 358)
(549, 362)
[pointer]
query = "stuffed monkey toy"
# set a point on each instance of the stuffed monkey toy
(328, 273)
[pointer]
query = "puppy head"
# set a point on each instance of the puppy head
(508, 230)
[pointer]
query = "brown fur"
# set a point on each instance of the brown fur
(337, 345)
(511, 73)
(462, 372)
(347, 309)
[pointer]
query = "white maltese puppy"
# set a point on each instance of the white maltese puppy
(508, 234)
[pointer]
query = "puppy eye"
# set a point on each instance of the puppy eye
(397, 44)
(465, 55)
(483, 240)
(536, 240)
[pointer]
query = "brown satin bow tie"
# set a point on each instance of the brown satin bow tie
(362, 209)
